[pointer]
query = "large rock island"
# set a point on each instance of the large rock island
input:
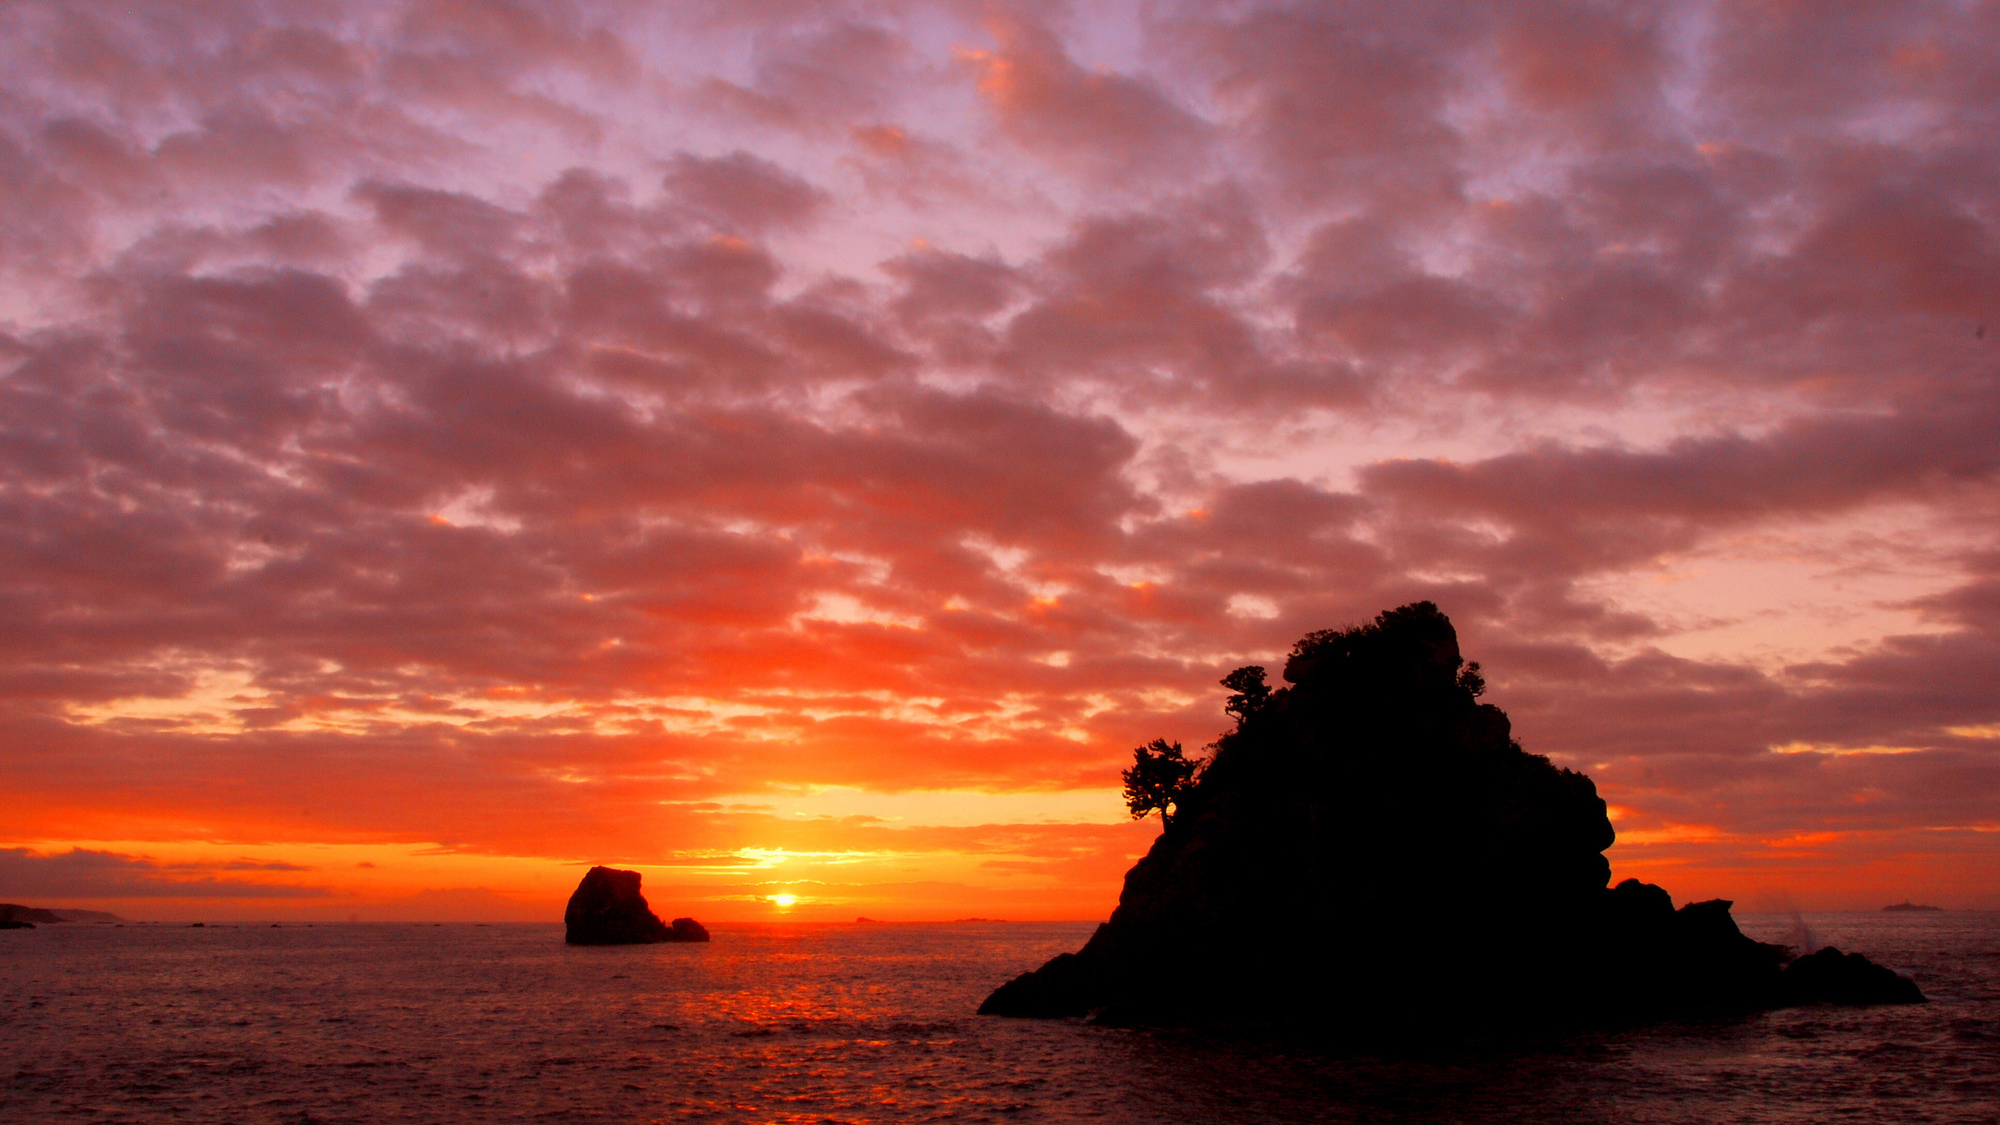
(607, 909)
(1371, 851)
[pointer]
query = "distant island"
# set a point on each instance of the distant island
(1371, 853)
(607, 909)
(14, 916)
(1908, 907)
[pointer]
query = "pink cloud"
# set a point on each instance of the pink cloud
(1107, 122)
(741, 191)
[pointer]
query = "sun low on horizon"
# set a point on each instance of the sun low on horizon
(799, 451)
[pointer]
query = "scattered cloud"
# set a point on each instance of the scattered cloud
(82, 874)
(545, 431)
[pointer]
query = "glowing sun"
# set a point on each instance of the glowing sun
(784, 900)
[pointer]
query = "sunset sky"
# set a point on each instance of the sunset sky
(800, 449)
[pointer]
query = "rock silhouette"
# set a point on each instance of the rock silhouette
(1371, 847)
(1832, 977)
(607, 909)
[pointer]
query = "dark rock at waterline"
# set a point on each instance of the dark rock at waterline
(1832, 977)
(1372, 853)
(1065, 986)
(607, 909)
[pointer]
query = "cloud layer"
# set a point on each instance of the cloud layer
(577, 430)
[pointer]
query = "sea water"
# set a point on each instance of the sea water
(874, 1022)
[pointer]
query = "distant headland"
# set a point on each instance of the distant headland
(1369, 852)
(1908, 907)
(14, 916)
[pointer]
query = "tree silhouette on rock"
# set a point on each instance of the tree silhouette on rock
(1159, 776)
(1251, 692)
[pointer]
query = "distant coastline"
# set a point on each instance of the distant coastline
(36, 915)
(1908, 907)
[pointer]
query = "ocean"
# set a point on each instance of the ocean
(873, 1022)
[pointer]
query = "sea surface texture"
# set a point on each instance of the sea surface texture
(852, 1023)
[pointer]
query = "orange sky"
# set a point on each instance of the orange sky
(800, 450)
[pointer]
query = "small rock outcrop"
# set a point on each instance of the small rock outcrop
(1370, 852)
(607, 909)
(1832, 977)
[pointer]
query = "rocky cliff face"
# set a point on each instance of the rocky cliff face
(1370, 844)
(607, 909)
